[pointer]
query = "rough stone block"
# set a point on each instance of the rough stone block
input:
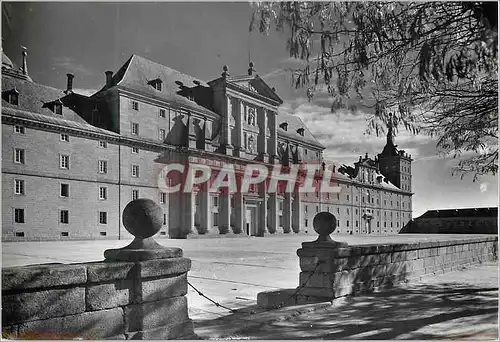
(110, 271)
(363, 287)
(411, 255)
(276, 298)
(87, 325)
(31, 306)
(153, 290)
(423, 253)
(167, 332)
(379, 271)
(139, 317)
(399, 268)
(417, 264)
(105, 296)
(163, 267)
(42, 276)
(429, 261)
(325, 254)
(316, 279)
(362, 274)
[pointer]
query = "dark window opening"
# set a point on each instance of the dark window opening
(103, 233)
(19, 215)
(64, 233)
(19, 234)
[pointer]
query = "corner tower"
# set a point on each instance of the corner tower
(395, 164)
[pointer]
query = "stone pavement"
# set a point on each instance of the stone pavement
(459, 305)
(233, 270)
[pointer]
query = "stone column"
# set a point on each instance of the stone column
(224, 212)
(262, 209)
(272, 221)
(188, 211)
(204, 210)
(297, 218)
(226, 127)
(287, 213)
(181, 215)
(239, 107)
(262, 139)
(239, 208)
(273, 143)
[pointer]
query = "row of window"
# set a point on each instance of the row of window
(64, 218)
(55, 106)
(20, 189)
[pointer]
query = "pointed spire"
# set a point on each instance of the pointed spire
(250, 69)
(225, 74)
(390, 133)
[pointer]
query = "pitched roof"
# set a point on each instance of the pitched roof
(33, 98)
(294, 123)
(463, 212)
(15, 112)
(138, 71)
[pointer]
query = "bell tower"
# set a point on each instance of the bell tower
(395, 164)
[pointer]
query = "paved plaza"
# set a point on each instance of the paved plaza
(231, 271)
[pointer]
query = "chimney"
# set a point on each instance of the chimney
(25, 62)
(69, 86)
(109, 75)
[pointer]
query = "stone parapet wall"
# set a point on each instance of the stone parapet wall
(100, 300)
(357, 269)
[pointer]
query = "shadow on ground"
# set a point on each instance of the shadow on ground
(417, 311)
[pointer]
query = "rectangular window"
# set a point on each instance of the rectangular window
(135, 105)
(103, 193)
(103, 166)
(64, 233)
(357, 223)
(103, 144)
(348, 197)
(135, 170)
(216, 219)
(347, 223)
(216, 201)
(19, 215)
(64, 216)
(347, 211)
(163, 197)
(19, 234)
(19, 156)
(305, 208)
(135, 150)
(281, 221)
(58, 108)
(19, 187)
(14, 99)
(64, 190)
(134, 127)
(305, 222)
(164, 219)
(135, 194)
(338, 210)
(64, 137)
(162, 113)
(63, 161)
(19, 129)
(103, 233)
(161, 134)
(317, 209)
(378, 224)
(103, 217)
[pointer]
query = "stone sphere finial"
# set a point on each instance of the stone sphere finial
(324, 224)
(224, 68)
(143, 218)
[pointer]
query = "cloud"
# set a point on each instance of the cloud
(69, 64)
(274, 73)
(86, 92)
(343, 133)
(483, 187)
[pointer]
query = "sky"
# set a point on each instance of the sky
(87, 39)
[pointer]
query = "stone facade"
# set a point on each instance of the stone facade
(85, 157)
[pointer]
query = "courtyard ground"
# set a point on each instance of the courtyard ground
(232, 271)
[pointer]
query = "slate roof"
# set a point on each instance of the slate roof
(138, 71)
(294, 123)
(463, 212)
(33, 97)
(349, 173)
(55, 121)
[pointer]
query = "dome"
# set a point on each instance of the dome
(6, 62)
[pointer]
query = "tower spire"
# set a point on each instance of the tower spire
(390, 132)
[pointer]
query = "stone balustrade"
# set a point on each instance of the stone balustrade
(138, 292)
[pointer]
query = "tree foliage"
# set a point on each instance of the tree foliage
(432, 64)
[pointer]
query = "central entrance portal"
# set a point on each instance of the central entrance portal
(251, 220)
